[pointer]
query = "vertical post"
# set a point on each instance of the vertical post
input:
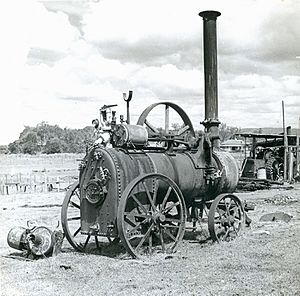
(58, 184)
(290, 155)
(297, 154)
(245, 148)
(290, 164)
(254, 147)
(167, 118)
(284, 144)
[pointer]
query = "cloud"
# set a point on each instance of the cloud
(41, 55)
(62, 60)
(73, 9)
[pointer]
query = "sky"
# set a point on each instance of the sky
(60, 61)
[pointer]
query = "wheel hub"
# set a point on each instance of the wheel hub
(158, 217)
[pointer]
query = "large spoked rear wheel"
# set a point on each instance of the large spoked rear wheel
(226, 217)
(151, 215)
(70, 219)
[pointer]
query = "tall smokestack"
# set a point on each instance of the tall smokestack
(211, 121)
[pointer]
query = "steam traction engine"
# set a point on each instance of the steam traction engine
(149, 183)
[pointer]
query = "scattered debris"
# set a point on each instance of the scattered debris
(278, 216)
(249, 206)
(249, 184)
(65, 267)
(36, 241)
(280, 199)
(21, 258)
(253, 184)
(261, 232)
(169, 257)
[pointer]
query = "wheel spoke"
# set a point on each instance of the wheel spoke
(86, 242)
(155, 191)
(236, 232)
(171, 226)
(97, 242)
(144, 237)
(167, 119)
(77, 231)
(230, 202)
(136, 227)
(183, 130)
(169, 208)
(169, 233)
(235, 211)
(137, 215)
(161, 238)
(74, 204)
(166, 197)
(138, 202)
(149, 196)
(172, 220)
(226, 234)
(152, 127)
(73, 218)
(129, 222)
(227, 206)
(150, 244)
(77, 194)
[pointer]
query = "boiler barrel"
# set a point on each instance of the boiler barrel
(187, 170)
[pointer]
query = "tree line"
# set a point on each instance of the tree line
(48, 139)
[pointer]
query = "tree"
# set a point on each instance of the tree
(227, 132)
(46, 138)
(53, 145)
(30, 143)
(15, 147)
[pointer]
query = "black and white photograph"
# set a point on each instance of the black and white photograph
(150, 147)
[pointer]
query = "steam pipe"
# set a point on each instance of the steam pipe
(127, 100)
(211, 121)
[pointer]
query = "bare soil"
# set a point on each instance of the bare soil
(263, 260)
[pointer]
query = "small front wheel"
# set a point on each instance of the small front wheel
(226, 217)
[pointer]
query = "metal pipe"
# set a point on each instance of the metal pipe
(211, 121)
(210, 63)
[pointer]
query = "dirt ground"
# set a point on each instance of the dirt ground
(263, 260)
